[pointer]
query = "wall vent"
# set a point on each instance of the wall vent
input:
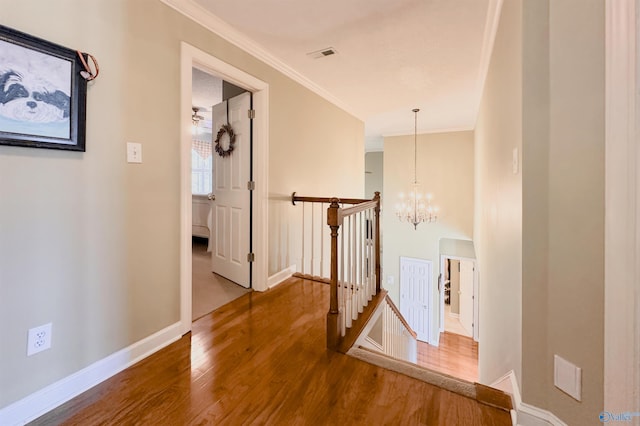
(328, 51)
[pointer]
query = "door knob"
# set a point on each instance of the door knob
(212, 197)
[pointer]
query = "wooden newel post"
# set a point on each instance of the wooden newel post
(333, 324)
(377, 245)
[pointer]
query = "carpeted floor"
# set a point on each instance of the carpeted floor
(210, 291)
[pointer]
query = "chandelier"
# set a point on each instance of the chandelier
(414, 207)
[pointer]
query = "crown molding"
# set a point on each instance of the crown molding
(202, 16)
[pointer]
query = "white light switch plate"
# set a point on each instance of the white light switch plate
(567, 377)
(134, 152)
(515, 162)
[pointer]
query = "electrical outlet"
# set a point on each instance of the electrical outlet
(39, 339)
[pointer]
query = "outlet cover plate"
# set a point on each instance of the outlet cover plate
(39, 339)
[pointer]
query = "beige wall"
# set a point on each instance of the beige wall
(445, 169)
(535, 200)
(575, 293)
(89, 242)
(498, 216)
(546, 73)
(457, 248)
(311, 157)
(373, 179)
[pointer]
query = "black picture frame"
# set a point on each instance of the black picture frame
(42, 94)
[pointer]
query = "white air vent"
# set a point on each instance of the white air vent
(323, 53)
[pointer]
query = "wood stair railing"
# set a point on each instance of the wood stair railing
(354, 272)
(314, 254)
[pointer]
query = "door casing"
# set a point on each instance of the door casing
(190, 57)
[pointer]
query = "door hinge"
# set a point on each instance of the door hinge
(252, 114)
(251, 185)
(251, 257)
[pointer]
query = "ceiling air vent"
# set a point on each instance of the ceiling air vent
(322, 53)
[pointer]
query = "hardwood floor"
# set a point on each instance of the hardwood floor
(261, 359)
(456, 355)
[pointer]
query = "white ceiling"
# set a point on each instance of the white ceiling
(393, 55)
(206, 91)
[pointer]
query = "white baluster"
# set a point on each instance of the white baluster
(313, 231)
(359, 264)
(322, 222)
(354, 288)
(302, 260)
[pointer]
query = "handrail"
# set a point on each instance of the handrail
(327, 200)
(358, 208)
(404, 322)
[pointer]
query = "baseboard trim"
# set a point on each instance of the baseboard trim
(528, 415)
(279, 277)
(46, 399)
(525, 414)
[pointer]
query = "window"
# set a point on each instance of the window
(201, 165)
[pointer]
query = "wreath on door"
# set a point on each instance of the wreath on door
(226, 128)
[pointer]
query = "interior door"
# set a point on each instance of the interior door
(466, 295)
(231, 198)
(415, 288)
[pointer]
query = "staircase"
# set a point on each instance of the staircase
(357, 301)
(362, 320)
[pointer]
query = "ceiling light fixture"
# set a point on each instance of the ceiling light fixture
(195, 117)
(195, 121)
(416, 208)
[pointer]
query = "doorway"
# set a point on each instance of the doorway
(458, 301)
(192, 57)
(212, 285)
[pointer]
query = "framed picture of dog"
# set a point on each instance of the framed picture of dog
(42, 94)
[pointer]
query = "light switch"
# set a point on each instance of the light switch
(515, 161)
(134, 152)
(390, 280)
(567, 377)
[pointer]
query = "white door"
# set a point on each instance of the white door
(415, 290)
(466, 295)
(231, 204)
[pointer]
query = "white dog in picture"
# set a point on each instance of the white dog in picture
(31, 99)
(35, 87)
